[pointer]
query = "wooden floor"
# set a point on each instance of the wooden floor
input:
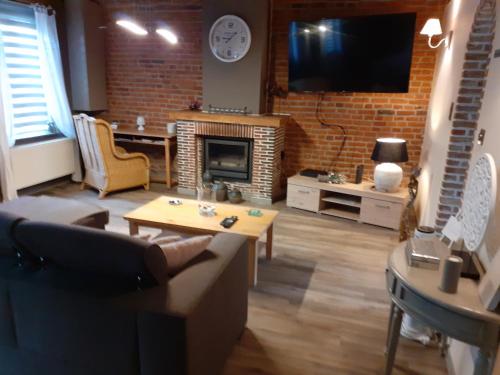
(320, 306)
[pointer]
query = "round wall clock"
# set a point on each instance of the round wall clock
(230, 38)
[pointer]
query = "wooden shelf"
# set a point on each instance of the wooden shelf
(359, 202)
(138, 141)
(362, 190)
(345, 201)
(273, 121)
(340, 213)
(148, 132)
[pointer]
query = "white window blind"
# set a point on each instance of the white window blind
(22, 57)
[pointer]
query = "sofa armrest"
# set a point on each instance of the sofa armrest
(190, 325)
(226, 255)
(183, 292)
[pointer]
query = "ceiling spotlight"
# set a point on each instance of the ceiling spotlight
(132, 27)
(307, 31)
(168, 35)
(322, 28)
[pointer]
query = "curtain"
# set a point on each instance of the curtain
(7, 140)
(52, 73)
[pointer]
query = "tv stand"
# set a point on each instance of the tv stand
(360, 202)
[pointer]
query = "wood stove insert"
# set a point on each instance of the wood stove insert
(228, 159)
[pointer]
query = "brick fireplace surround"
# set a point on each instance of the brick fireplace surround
(267, 133)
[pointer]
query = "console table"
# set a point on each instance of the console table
(461, 316)
(150, 137)
(360, 202)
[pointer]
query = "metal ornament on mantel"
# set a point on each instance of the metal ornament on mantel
(479, 201)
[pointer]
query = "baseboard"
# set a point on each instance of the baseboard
(44, 186)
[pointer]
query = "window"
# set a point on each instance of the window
(22, 58)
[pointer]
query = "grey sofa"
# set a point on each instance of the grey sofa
(57, 210)
(76, 300)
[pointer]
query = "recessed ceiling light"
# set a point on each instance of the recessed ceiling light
(168, 35)
(307, 31)
(132, 27)
(322, 28)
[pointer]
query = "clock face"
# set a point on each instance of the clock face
(230, 38)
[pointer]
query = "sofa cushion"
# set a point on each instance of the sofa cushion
(179, 253)
(176, 254)
(57, 210)
(7, 222)
(88, 250)
(72, 329)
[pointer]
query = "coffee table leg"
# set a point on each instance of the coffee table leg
(133, 228)
(269, 243)
(252, 263)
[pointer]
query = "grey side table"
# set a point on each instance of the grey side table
(461, 316)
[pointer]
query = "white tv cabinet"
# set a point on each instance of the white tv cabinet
(360, 202)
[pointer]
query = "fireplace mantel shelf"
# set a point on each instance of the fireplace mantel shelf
(272, 121)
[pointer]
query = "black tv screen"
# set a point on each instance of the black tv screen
(355, 54)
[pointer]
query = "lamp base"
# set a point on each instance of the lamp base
(388, 177)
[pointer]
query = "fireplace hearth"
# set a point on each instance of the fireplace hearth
(228, 159)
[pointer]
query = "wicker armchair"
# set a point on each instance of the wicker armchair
(108, 167)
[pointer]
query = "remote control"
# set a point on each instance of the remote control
(228, 222)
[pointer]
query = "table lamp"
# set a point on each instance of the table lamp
(387, 152)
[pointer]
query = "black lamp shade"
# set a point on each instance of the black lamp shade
(390, 150)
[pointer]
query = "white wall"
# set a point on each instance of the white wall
(490, 121)
(459, 16)
(40, 162)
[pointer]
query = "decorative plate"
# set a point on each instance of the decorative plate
(479, 201)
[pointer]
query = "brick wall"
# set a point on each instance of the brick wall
(467, 110)
(365, 116)
(147, 76)
(268, 145)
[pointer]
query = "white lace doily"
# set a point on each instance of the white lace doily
(479, 201)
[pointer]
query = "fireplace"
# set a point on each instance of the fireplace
(228, 159)
(259, 143)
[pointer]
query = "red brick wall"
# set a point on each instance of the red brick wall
(365, 116)
(147, 76)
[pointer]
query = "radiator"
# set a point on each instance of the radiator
(41, 162)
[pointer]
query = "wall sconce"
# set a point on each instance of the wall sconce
(433, 27)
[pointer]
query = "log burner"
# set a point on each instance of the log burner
(228, 159)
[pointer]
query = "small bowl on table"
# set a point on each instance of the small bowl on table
(206, 210)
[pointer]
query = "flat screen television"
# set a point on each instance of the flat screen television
(355, 54)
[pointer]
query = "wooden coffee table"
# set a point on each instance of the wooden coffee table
(185, 218)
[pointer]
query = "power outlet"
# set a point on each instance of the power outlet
(450, 113)
(480, 137)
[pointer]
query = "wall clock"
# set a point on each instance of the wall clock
(230, 38)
